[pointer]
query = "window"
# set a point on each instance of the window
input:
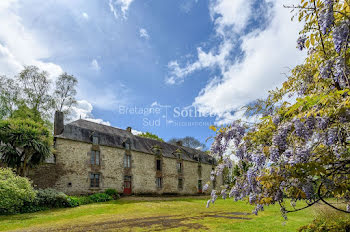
(159, 182)
(179, 167)
(127, 161)
(159, 165)
(94, 180)
(95, 158)
(95, 140)
(180, 183)
(127, 145)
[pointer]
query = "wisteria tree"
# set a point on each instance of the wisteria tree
(298, 150)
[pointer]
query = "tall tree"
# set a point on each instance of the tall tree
(9, 96)
(189, 141)
(299, 150)
(65, 92)
(35, 86)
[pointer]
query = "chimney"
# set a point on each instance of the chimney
(179, 143)
(58, 123)
(128, 129)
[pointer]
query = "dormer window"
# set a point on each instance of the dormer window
(95, 140)
(179, 167)
(159, 165)
(127, 145)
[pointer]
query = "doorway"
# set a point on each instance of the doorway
(127, 185)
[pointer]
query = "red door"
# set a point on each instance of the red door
(127, 185)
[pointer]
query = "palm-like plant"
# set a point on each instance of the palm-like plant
(24, 143)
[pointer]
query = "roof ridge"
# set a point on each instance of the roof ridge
(100, 124)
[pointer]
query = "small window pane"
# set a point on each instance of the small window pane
(159, 182)
(179, 167)
(97, 158)
(97, 180)
(95, 140)
(127, 161)
(92, 158)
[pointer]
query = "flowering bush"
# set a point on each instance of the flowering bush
(14, 191)
(298, 150)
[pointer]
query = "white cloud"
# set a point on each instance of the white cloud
(204, 60)
(83, 110)
(85, 15)
(136, 132)
(119, 8)
(228, 15)
(267, 53)
(19, 46)
(94, 65)
(143, 33)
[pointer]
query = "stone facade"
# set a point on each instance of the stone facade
(72, 168)
(91, 157)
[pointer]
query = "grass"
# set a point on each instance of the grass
(145, 214)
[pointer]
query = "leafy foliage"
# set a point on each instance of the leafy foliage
(321, 226)
(65, 93)
(100, 197)
(33, 88)
(14, 191)
(189, 141)
(151, 136)
(301, 150)
(24, 143)
(113, 193)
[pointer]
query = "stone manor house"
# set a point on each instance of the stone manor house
(90, 157)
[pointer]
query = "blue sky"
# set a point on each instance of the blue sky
(208, 56)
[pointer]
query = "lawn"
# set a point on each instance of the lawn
(152, 214)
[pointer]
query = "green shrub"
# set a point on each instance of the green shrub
(14, 191)
(113, 193)
(100, 197)
(51, 198)
(82, 200)
(73, 202)
(326, 226)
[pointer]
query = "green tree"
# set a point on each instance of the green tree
(151, 136)
(300, 149)
(9, 96)
(189, 141)
(65, 92)
(35, 87)
(24, 143)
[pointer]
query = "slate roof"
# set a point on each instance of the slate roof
(82, 130)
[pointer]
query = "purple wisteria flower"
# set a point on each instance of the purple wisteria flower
(341, 35)
(205, 187)
(326, 69)
(341, 72)
(326, 17)
(301, 42)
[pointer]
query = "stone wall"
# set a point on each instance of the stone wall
(71, 172)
